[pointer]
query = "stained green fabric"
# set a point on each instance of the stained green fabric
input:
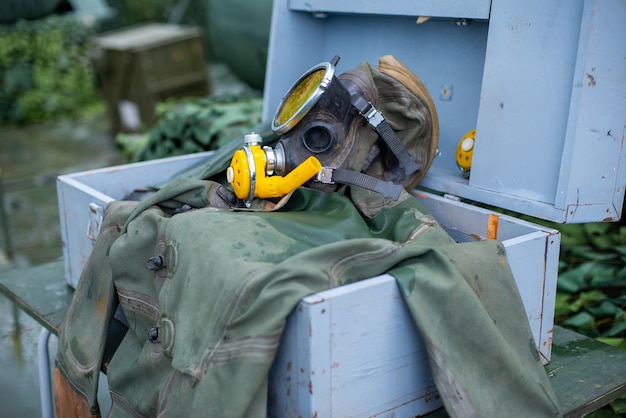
(221, 304)
(481, 351)
(84, 330)
(232, 277)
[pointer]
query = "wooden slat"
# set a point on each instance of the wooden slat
(40, 291)
(585, 373)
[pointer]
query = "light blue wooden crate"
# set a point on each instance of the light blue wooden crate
(83, 196)
(542, 81)
(352, 351)
(355, 351)
(544, 84)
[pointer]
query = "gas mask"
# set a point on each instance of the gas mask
(332, 133)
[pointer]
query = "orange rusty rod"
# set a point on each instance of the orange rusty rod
(492, 226)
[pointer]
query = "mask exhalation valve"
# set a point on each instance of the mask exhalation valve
(252, 171)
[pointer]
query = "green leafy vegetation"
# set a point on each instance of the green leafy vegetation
(591, 288)
(46, 71)
(591, 295)
(185, 126)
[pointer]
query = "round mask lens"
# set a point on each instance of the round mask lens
(302, 97)
(299, 96)
(317, 139)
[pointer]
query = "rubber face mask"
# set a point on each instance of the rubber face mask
(322, 120)
(319, 116)
(314, 118)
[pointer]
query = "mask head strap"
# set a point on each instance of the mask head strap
(378, 122)
(331, 175)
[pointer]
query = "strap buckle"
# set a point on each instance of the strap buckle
(325, 175)
(374, 116)
(332, 175)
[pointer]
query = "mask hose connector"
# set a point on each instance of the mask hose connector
(249, 176)
(277, 186)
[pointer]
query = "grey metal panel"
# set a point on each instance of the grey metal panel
(450, 182)
(474, 9)
(551, 120)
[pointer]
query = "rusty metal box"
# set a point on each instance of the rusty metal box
(138, 67)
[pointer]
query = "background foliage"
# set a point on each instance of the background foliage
(193, 125)
(45, 63)
(45, 69)
(591, 288)
(592, 281)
